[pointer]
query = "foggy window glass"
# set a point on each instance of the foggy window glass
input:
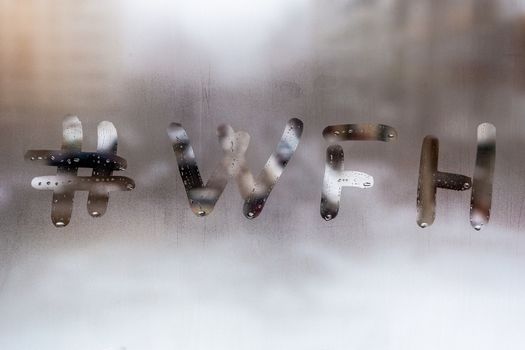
(139, 270)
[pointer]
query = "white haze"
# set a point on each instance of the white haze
(150, 275)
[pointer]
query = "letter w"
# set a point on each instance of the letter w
(254, 191)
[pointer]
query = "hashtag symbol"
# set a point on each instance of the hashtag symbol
(69, 159)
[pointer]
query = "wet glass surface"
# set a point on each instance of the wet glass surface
(150, 274)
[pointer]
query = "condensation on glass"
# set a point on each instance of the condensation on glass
(335, 177)
(69, 159)
(430, 179)
(254, 191)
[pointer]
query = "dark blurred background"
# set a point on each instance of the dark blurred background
(151, 275)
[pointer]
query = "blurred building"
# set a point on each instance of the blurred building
(58, 54)
(419, 57)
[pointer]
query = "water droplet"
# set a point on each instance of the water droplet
(423, 224)
(60, 224)
(32, 158)
(391, 135)
(48, 183)
(367, 184)
(250, 214)
(76, 160)
(130, 186)
(201, 212)
(95, 213)
(328, 217)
